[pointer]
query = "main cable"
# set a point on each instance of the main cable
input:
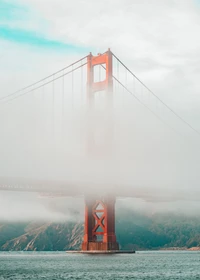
(157, 116)
(33, 84)
(26, 92)
(169, 108)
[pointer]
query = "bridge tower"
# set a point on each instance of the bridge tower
(99, 227)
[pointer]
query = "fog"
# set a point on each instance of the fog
(58, 142)
(51, 139)
(23, 207)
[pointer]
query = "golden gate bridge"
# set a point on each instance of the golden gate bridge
(91, 99)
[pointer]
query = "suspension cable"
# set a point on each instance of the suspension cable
(26, 92)
(42, 80)
(124, 87)
(31, 85)
(169, 108)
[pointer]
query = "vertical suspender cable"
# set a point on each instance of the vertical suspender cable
(118, 71)
(43, 108)
(72, 87)
(126, 82)
(63, 105)
(43, 93)
(99, 73)
(53, 108)
(81, 82)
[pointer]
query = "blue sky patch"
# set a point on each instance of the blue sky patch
(198, 2)
(11, 13)
(34, 39)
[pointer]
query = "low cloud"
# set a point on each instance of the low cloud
(147, 159)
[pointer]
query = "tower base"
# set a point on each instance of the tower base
(112, 252)
(99, 233)
(100, 246)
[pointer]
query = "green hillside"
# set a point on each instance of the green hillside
(134, 231)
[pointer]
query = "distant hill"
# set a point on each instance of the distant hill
(134, 231)
(41, 237)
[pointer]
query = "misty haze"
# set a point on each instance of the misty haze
(100, 130)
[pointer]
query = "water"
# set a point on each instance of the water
(59, 265)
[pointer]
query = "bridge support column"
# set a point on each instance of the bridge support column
(99, 232)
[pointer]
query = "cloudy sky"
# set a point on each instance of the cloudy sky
(158, 40)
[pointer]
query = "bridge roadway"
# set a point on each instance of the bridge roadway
(63, 188)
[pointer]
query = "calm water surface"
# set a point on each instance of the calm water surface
(60, 265)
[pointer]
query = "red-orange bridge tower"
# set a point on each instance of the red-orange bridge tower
(99, 228)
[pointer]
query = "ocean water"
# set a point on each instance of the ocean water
(60, 265)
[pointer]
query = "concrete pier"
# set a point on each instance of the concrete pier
(102, 252)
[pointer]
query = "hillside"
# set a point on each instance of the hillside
(134, 231)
